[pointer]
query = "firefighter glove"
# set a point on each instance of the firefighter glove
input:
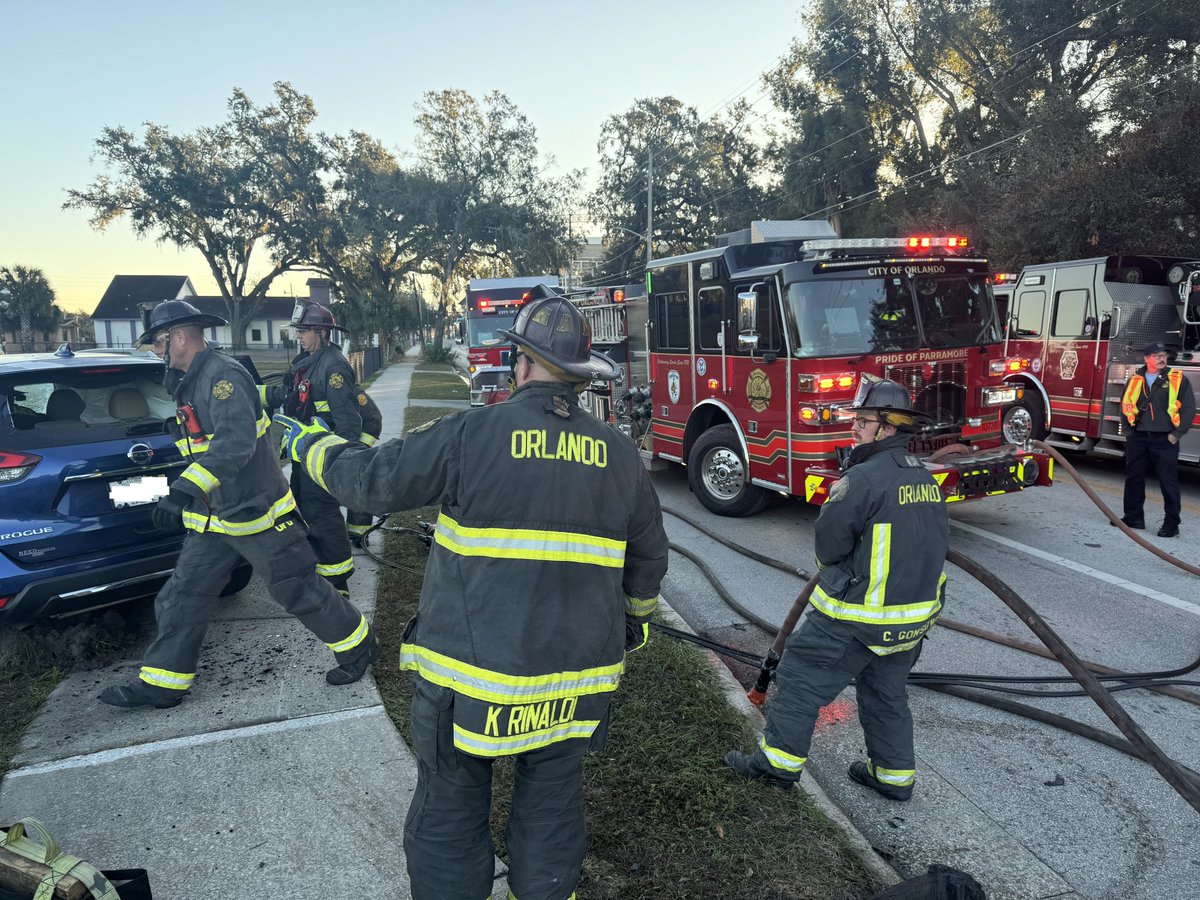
(297, 435)
(168, 514)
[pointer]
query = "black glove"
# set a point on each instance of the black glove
(168, 514)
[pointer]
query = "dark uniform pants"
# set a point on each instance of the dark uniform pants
(358, 523)
(326, 528)
(821, 658)
(1147, 451)
(282, 558)
(447, 838)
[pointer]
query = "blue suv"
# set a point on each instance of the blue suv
(85, 451)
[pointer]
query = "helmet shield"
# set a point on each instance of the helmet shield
(552, 328)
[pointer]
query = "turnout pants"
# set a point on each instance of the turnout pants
(326, 529)
(447, 838)
(1147, 451)
(282, 558)
(358, 523)
(821, 658)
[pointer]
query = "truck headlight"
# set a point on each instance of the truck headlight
(999, 396)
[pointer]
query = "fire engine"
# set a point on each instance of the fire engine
(492, 304)
(757, 347)
(617, 316)
(1082, 326)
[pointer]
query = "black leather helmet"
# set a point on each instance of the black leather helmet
(170, 314)
(888, 398)
(552, 328)
(310, 314)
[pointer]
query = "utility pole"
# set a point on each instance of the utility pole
(420, 314)
(649, 208)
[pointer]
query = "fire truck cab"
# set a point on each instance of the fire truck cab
(1082, 326)
(757, 347)
(492, 304)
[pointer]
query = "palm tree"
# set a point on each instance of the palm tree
(30, 301)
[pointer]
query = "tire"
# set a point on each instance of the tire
(1023, 421)
(719, 477)
(238, 579)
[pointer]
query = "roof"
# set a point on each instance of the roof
(126, 292)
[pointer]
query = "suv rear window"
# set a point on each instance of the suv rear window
(72, 406)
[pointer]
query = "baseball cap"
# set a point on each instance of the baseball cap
(1154, 347)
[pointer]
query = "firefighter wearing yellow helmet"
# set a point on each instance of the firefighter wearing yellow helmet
(881, 542)
(546, 565)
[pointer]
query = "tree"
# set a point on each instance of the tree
(222, 190)
(484, 201)
(30, 302)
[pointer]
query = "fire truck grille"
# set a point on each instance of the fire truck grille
(938, 389)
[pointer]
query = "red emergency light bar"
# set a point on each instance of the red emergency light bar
(1004, 277)
(926, 242)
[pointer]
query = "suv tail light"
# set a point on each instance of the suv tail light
(4, 601)
(15, 466)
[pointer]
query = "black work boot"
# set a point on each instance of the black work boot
(131, 696)
(1169, 529)
(861, 773)
(353, 664)
(744, 765)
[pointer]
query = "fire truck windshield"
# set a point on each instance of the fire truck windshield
(856, 316)
(484, 331)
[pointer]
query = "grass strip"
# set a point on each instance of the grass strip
(437, 386)
(21, 696)
(666, 820)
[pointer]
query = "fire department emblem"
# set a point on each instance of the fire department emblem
(673, 384)
(362, 399)
(1068, 364)
(701, 366)
(1035, 364)
(336, 380)
(223, 390)
(758, 390)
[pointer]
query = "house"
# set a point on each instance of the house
(65, 332)
(118, 316)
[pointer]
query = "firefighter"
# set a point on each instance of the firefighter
(881, 541)
(321, 383)
(1159, 405)
(546, 564)
(235, 505)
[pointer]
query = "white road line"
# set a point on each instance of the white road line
(1116, 580)
(103, 757)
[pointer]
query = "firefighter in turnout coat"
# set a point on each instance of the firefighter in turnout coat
(546, 565)
(320, 383)
(235, 505)
(881, 542)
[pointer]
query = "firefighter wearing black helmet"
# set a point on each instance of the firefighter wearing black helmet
(321, 383)
(546, 565)
(881, 542)
(235, 505)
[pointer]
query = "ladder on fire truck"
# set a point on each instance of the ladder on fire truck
(608, 323)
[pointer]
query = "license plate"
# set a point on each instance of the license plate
(138, 491)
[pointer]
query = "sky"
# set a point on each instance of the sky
(69, 68)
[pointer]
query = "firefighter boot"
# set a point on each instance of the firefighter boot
(131, 696)
(746, 766)
(353, 664)
(861, 773)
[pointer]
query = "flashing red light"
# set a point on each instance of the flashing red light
(913, 243)
(484, 303)
(524, 297)
(618, 296)
(926, 243)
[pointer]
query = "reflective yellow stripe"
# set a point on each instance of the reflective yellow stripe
(176, 681)
(356, 637)
(200, 445)
(636, 607)
(367, 439)
(781, 759)
(264, 425)
(358, 529)
(899, 614)
(893, 648)
(321, 405)
(643, 641)
(199, 522)
(497, 687)
(898, 777)
(331, 569)
(881, 559)
(482, 745)
(529, 543)
(262, 394)
(314, 460)
(201, 477)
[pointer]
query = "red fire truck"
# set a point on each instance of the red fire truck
(756, 348)
(492, 304)
(1082, 325)
(615, 313)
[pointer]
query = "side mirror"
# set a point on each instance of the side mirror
(747, 312)
(747, 341)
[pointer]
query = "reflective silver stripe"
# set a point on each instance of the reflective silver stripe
(529, 543)
(637, 607)
(367, 439)
(480, 745)
(321, 405)
(881, 558)
(314, 460)
(201, 477)
(329, 569)
(356, 637)
(900, 777)
(201, 523)
(781, 759)
(853, 612)
(176, 681)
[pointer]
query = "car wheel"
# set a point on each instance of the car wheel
(238, 579)
(1023, 421)
(719, 476)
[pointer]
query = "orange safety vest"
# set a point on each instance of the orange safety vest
(1133, 390)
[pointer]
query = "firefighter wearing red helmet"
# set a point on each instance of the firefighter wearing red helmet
(881, 540)
(320, 382)
(235, 505)
(546, 565)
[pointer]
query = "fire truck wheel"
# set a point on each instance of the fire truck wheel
(719, 476)
(1023, 422)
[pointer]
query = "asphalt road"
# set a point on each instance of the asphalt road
(1031, 810)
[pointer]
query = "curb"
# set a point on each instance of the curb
(736, 697)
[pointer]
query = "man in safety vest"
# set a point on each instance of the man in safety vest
(546, 565)
(235, 505)
(881, 542)
(1159, 406)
